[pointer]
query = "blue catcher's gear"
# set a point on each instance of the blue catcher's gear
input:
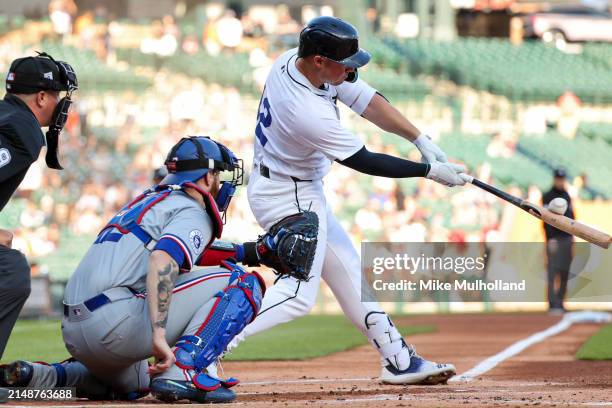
(191, 159)
(175, 390)
(128, 219)
(235, 307)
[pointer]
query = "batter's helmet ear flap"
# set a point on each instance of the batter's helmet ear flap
(306, 47)
(352, 76)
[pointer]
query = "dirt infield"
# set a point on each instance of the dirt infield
(545, 374)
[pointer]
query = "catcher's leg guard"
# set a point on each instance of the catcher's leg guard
(235, 307)
(400, 362)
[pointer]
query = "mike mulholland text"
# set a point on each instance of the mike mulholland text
(438, 285)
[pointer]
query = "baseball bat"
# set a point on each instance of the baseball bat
(559, 221)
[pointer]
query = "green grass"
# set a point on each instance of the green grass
(36, 340)
(598, 346)
(308, 337)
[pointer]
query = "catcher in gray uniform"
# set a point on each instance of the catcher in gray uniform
(136, 293)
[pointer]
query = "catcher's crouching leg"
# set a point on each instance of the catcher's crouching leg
(235, 307)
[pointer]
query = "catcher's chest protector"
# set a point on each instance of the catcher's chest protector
(128, 219)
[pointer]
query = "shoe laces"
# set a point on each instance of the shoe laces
(412, 351)
(220, 367)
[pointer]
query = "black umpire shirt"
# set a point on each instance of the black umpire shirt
(20, 142)
(552, 232)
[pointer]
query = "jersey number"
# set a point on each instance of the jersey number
(263, 119)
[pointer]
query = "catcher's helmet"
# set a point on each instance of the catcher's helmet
(191, 158)
(334, 39)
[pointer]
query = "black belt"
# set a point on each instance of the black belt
(265, 171)
(94, 303)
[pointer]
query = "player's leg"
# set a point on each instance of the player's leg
(342, 272)
(129, 340)
(14, 290)
(554, 269)
(73, 373)
(565, 262)
(228, 309)
(113, 380)
(121, 339)
(289, 298)
(120, 335)
(67, 373)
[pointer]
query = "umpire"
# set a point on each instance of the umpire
(39, 91)
(559, 246)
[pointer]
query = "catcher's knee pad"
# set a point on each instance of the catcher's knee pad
(236, 306)
(387, 339)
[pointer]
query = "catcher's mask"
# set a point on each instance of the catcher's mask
(40, 73)
(193, 157)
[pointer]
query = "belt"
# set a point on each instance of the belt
(96, 302)
(265, 171)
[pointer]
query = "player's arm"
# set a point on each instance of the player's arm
(380, 112)
(384, 165)
(245, 253)
(288, 247)
(388, 118)
(163, 272)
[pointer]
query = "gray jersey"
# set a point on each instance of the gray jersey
(179, 224)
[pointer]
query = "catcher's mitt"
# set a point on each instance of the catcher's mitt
(290, 244)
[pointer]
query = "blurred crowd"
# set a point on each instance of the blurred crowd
(114, 141)
(219, 30)
(104, 170)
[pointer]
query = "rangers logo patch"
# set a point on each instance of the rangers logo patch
(196, 238)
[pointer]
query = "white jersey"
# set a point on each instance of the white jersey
(298, 128)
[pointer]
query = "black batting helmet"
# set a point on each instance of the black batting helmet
(334, 39)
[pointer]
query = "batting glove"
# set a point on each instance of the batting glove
(448, 174)
(429, 150)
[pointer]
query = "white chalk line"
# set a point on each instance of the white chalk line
(490, 362)
(307, 381)
(519, 346)
(469, 375)
(512, 350)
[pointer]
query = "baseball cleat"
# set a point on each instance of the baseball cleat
(175, 390)
(420, 371)
(17, 374)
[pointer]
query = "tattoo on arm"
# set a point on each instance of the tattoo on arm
(167, 276)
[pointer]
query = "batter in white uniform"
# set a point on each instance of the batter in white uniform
(298, 136)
